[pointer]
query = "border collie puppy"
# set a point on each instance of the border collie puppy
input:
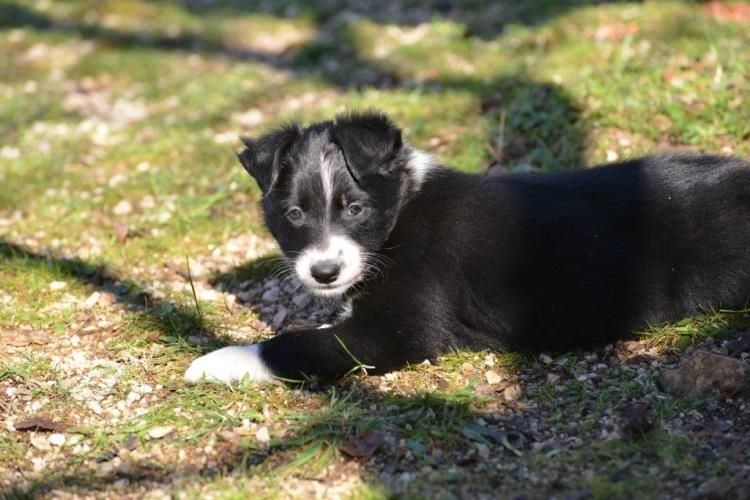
(427, 260)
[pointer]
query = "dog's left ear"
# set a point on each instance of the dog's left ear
(369, 141)
(263, 158)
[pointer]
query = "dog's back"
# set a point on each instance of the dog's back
(574, 259)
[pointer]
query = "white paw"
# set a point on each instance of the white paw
(230, 364)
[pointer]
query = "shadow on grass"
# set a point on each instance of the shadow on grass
(396, 436)
(169, 318)
(480, 18)
(467, 443)
(538, 120)
(402, 436)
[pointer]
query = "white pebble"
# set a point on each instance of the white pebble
(56, 439)
(124, 207)
(262, 435)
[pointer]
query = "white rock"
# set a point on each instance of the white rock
(56, 439)
(57, 285)
(124, 207)
(95, 407)
(208, 295)
(39, 441)
(116, 180)
(545, 359)
(262, 435)
(147, 202)
(92, 300)
(160, 431)
(10, 153)
(39, 464)
(249, 119)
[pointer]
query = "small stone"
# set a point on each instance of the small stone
(638, 419)
(493, 377)
(705, 373)
(544, 358)
(123, 467)
(92, 300)
(739, 344)
(300, 299)
(40, 442)
(160, 431)
(197, 270)
(279, 317)
(249, 119)
(714, 488)
(247, 296)
(121, 232)
(513, 392)
(263, 436)
(270, 295)
(123, 207)
(39, 464)
(229, 436)
(56, 439)
(363, 445)
(57, 285)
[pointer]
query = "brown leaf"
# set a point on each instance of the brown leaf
(122, 231)
(40, 423)
(364, 445)
(728, 11)
(615, 31)
(24, 337)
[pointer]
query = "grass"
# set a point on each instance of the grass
(118, 122)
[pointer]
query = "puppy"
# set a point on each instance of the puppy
(428, 260)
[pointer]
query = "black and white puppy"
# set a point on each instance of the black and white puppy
(430, 260)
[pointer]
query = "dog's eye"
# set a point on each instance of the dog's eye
(354, 209)
(294, 214)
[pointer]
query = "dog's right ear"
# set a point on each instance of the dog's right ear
(369, 140)
(263, 157)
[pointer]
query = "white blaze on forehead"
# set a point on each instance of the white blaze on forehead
(326, 177)
(340, 249)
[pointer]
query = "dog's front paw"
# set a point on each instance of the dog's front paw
(230, 364)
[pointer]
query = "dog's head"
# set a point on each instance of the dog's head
(332, 193)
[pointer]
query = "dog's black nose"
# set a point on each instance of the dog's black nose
(325, 271)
